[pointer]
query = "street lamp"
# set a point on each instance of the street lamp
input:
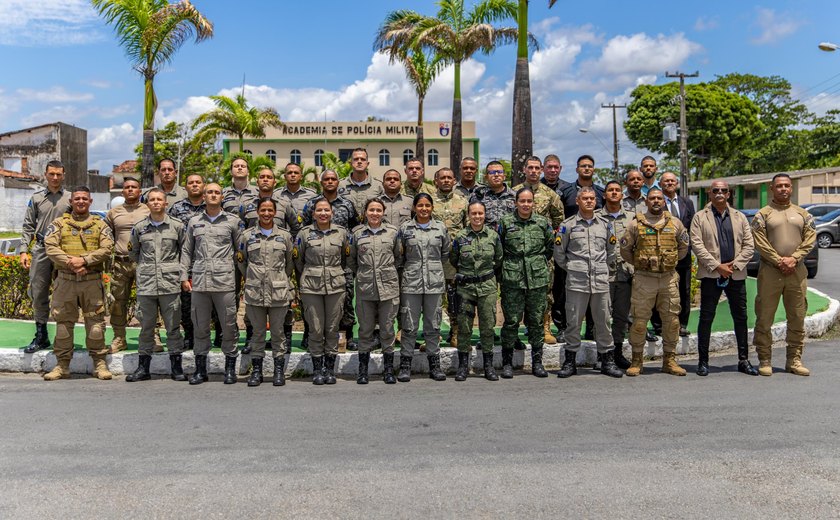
(586, 131)
(828, 46)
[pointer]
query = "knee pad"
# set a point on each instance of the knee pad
(63, 330)
(96, 331)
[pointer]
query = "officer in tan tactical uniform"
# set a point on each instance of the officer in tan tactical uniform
(653, 243)
(121, 220)
(784, 234)
(78, 244)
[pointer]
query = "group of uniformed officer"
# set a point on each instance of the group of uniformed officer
(194, 252)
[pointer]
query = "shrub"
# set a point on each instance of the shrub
(15, 303)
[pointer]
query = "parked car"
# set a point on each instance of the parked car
(811, 261)
(828, 229)
(820, 210)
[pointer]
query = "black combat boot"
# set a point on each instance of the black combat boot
(608, 365)
(279, 378)
(249, 331)
(230, 370)
(703, 362)
(200, 374)
(388, 373)
(317, 370)
(434, 368)
(489, 371)
(329, 369)
(569, 366)
(618, 355)
(364, 359)
(304, 342)
(41, 341)
(256, 377)
(176, 371)
(287, 331)
(463, 366)
(352, 344)
(507, 363)
(142, 372)
(405, 369)
(536, 362)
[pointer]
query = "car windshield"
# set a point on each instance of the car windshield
(828, 217)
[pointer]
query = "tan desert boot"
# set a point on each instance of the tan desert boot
(794, 363)
(548, 337)
(636, 366)
(670, 365)
(61, 371)
(100, 368)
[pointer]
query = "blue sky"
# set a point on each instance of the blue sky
(308, 59)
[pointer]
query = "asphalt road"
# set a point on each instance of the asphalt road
(656, 446)
(828, 273)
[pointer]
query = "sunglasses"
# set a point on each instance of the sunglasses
(720, 190)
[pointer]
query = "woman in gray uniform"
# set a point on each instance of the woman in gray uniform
(320, 254)
(374, 249)
(265, 256)
(425, 246)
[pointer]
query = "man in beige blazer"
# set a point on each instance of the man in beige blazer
(723, 244)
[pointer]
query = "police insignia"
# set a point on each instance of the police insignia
(810, 222)
(240, 257)
(300, 219)
(558, 241)
(623, 242)
(129, 244)
(684, 237)
(347, 250)
(562, 229)
(612, 239)
(295, 252)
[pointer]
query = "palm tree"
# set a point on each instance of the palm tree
(151, 32)
(421, 69)
(522, 142)
(455, 35)
(235, 117)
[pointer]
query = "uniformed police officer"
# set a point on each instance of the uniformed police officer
(415, 175)
(359, 186)
(320, 255)
(121, 220)
(240, 192)
(265, 256)
(155, 248)
(586, 251)
(425, 245)
(207, 272)
(44, 207)
(498, 199)
(634, 199)
(466, 185)
(285, 214)
(477, 255)
(79, 244)
(621, 280)
(784, 234)
(374, 250)
(528, 242)
(653, 243)
(168, 183)
(397, 205)
(451, 209)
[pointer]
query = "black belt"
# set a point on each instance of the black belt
(478, 279)
(122, 258)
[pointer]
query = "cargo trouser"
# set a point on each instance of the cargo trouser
(411, 307)
(772, 285)
(122, 278)
(203, 304)
(69, 295)
(323, 313)
(620, 294)
(660, 291)
(371, 313)
(528, 302)
(169, 306)
(486, 308)
(577, 302)
(275, 316)
(40, 278)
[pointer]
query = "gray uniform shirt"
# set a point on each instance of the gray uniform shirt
(373, 260)
(234, 201)
(267, 263)
(320, 258)
(284, 218)
(297, 199)
(208, 252)
(397, 209)
(425, 249)
(623, 270)
(157, 251)
(359, 193)
(43, 208)
(586, 250)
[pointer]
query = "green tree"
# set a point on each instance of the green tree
(151, 32)
(720, 123)
(192, 154)
(455, 35)
(824, 141)
(332, 162)
(235, 117)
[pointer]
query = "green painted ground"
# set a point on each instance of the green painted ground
(15, 334)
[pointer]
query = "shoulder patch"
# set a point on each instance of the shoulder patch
(623, 242)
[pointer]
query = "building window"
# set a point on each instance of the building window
(294, 156)
(272, 156)
(384, 157)
(817, 190)
(407, 155)
(319, 158)
(248, 153)
(433, 157)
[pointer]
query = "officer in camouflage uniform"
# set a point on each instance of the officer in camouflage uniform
(44, 207)
(585, 249)
(168, 183)
(548, 205)
(155, 248)
(467, 185)
(359, 186)
(79, 244)
(528, 242)
(498, 199)
(397, 205)
(451, 209)
(784, 234)
(121, 220)
(477, 255)
(415, 176)
(654, 242)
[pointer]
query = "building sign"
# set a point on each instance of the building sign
(349, 130)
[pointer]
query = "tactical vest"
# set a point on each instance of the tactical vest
(79, 238)
(656, 245)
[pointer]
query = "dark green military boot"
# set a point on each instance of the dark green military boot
(507, 363)
(463, 366)
(489, 371)
(536, 362)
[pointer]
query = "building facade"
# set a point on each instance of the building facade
(389, 144)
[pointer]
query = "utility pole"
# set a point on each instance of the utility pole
(613, 106)
(683, 130)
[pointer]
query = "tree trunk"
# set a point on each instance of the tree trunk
(521, 132)
(147, 178)
(455, 143)
(420, 147)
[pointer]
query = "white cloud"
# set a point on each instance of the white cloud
(774, 26)
(55, 94)
(48, 23)
(65, 113)
(8, 106)
(112, 145)
(706, 23)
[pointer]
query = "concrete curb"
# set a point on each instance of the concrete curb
(300, 364)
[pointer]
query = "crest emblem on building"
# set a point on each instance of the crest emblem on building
(444, 129)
